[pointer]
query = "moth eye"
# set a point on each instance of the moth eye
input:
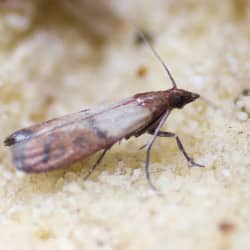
(177, 101)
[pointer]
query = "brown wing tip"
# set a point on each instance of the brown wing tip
(18, 136)
(9, 141)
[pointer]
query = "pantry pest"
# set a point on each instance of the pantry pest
(59, 142)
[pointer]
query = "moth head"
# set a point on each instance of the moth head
(179, 98)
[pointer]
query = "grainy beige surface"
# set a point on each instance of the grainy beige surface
(51, 64)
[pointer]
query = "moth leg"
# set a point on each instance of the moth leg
(180, 146)
(91, 170)
(147, 167)
(149, 145)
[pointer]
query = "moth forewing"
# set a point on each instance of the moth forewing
(65, 140)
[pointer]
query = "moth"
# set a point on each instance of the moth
(59, 142)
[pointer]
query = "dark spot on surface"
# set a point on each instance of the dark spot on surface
(239, 9)
(241, 104)
(246, 92)
(142, 71)
(100, 243)
(226, 227)
(18, 136)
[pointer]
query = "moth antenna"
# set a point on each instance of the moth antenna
(144, 38)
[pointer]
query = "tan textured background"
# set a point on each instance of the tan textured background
(54, 61)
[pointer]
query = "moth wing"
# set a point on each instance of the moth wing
(62, 141)
(56, 149)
